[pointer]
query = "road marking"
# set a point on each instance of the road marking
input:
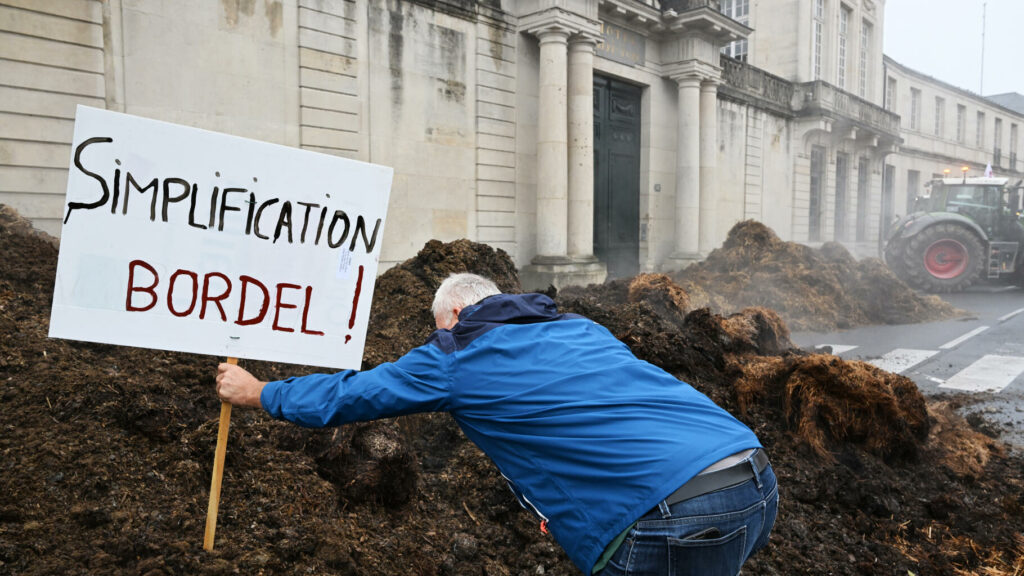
(1006, 317)
(901, 359)
(963, 338)
(837, 349)
(989, 374)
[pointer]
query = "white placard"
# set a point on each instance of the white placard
(166, 228)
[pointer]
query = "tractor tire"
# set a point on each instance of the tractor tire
(893, 258)
(943, 258)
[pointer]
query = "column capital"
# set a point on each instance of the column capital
(584, 41)
(552, 33)
(558, 21)
(693, 69)
(710, 84)
(687, 80)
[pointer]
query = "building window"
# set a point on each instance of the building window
(997, 143)
(842, 178)
(817, 193)
(819, 24)
(979, 138)
(890, 94)
(940, 116)
(738, 10)
(863, 186)
(961, 123)
(915, 109)
(865, 53)
(888, 211)
(1013, 147)
(844, 29)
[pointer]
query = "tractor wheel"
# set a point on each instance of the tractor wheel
(943, 258)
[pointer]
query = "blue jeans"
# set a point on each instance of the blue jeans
(708, 535)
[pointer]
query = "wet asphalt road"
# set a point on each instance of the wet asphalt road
(980, 356)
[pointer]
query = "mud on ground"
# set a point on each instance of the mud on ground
(107, 451)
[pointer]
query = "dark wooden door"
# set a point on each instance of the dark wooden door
(617, 176)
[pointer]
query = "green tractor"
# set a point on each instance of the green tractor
(961, 230)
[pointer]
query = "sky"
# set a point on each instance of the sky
(943, 39)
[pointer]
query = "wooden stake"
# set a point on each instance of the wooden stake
(218, 470)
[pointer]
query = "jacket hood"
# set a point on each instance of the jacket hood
(495, 311)
(510, 309)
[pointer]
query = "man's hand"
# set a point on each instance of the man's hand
(237, 386)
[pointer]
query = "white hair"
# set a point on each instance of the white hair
(459, 291)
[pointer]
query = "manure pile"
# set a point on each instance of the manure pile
(819, 289)
(107, 451)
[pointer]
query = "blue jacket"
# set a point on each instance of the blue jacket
(588, 435)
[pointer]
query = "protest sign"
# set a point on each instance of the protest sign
(182, 239)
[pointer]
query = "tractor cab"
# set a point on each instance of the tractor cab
(1013, 205)
(980, 199)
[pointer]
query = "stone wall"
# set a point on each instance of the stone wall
(496, 163)
(51, 60)
(226, 66)
(332, 77)
(423, 108)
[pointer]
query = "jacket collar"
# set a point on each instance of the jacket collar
(509, 309)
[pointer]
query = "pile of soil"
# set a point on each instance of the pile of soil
(819, 289)
(107, 451)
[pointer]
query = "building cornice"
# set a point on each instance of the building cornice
(552, 19)
(976, 165)
(707, 21)
(632, 13)
(647, 19)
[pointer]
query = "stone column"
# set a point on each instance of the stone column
(708, 165)
(552, 148)
(688, 169)
(581, 148)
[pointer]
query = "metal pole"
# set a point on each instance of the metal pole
(981, 83)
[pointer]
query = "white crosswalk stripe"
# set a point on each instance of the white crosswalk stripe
(990, 373)
(956, 342)
(902, 359)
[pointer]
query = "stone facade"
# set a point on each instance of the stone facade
(485, 109)
(948, 128)
(50, 61)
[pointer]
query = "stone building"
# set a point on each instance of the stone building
(586, 138)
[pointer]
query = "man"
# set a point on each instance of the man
(630, 469)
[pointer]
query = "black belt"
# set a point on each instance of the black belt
(719, 479)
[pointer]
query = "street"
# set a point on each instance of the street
(979, 356)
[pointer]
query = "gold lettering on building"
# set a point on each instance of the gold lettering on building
(621, 45)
